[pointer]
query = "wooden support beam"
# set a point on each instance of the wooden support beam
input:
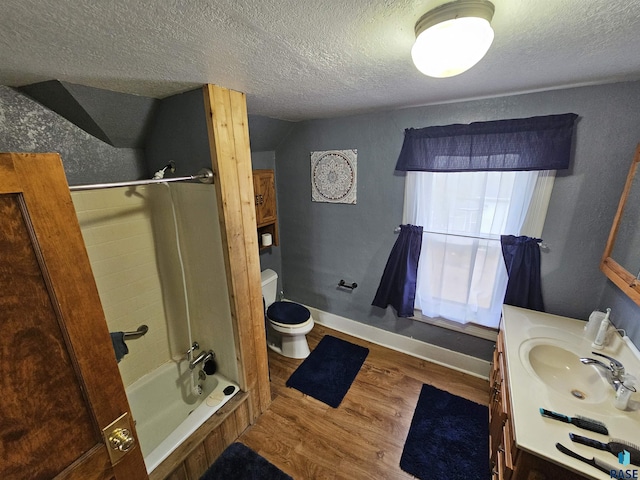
(228, 130)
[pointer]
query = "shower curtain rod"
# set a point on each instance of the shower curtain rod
(205, 176)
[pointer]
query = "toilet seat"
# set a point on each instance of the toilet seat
(290, 322)
(291, 328)
(289, 315)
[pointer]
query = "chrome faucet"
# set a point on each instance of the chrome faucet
(202, 358)
(615, 369)
(193, 348)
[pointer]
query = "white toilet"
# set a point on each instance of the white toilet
(288, 322)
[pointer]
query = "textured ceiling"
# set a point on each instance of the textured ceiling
(297, 59)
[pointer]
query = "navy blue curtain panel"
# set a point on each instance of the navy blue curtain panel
(522, 259)
(398, 283)
(536, 143)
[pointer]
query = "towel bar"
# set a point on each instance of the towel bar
(142, 329)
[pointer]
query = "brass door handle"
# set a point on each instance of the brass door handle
(118, 438)
(121, 439)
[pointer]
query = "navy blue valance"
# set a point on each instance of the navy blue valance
(536, 143)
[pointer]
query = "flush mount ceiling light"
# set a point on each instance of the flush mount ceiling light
(452, 38)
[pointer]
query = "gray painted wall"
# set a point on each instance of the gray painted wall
(27, 126)
(118, 119)
(266, 133)
(322, 243)
(178, 132)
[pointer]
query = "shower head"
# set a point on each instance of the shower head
(171, 166)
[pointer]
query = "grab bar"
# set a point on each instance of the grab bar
(142, 329)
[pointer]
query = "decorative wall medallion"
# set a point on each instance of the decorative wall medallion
(333, 176)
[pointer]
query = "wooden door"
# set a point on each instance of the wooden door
(59, 381)
(265, 192)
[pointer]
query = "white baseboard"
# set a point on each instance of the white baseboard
(432, 353)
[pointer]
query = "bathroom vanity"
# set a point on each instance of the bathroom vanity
(537, 365)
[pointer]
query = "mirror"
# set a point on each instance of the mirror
(621, 258)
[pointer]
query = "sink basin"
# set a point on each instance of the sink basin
(561, 370)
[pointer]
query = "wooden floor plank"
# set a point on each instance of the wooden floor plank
(363, 438)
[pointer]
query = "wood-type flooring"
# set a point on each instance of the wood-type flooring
(362, 438)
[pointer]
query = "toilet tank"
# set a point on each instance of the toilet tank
(269, 285)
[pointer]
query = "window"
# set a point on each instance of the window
(461, 272)
(466, 185)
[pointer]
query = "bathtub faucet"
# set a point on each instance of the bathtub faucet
(193, 348)
(202, 358)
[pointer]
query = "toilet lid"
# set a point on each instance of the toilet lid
(288, 313)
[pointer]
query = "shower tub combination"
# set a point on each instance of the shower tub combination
(130, 236)
(167, 413)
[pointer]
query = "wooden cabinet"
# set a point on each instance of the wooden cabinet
(501, 446)
(508, 462)
(264, 189)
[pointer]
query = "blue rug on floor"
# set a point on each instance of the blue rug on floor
(329, 370)
(239, 462)
(448, 438)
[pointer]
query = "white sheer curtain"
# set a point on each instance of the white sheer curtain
(461, 273)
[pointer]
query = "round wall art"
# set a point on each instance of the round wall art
(333, 176)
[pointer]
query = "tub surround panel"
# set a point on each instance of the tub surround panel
(130, 238)
(119, 236)
(202, 256)
(206, 276)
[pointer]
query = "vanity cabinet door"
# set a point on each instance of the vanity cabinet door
(502, 446)
(497, 420)
(507, 461)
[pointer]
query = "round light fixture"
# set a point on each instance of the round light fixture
(452, 38)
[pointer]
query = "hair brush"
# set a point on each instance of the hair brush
(614, 446)
(580, 422)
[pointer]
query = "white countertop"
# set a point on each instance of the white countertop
(523, 330)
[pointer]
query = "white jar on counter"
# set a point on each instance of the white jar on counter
(626, 388)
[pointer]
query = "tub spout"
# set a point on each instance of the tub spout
(202, 358)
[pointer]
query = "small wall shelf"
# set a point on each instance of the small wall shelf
(264, 190)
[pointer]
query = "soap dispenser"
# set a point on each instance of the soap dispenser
(601, 337)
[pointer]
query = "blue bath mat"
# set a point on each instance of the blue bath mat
(448, 438)
(239, 462)
(329, 370)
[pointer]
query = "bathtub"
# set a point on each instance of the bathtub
(167, 412)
